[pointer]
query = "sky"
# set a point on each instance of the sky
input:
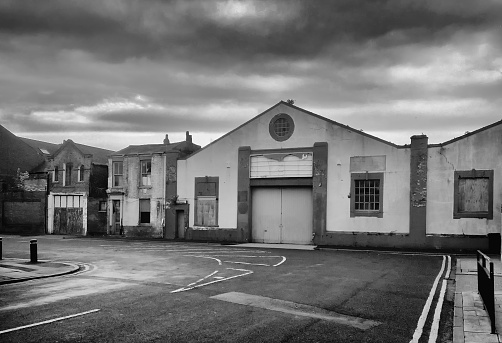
(111, 73)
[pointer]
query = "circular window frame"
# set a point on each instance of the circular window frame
(271, 127)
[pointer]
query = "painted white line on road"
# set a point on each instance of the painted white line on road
(425, 311)
(447, 276)
(205, 277)
(212, 258)
(433, 336)
(278, 264)
(48, 321)
(253, 264)
(220, 280)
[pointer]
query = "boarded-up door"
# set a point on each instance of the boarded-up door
(180, 223)
(68, 215)
(282, 215)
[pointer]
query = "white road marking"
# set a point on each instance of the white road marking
(253, 264)
(202, 279)
(425, 311)
(48, 321)
(220, 280)
(283, 260)
(433, 336)
(212, 258)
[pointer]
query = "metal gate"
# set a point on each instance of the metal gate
(282, 215)
(68, 215)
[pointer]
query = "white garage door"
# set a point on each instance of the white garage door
(282, 215)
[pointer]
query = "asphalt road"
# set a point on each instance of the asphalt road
(159, 291)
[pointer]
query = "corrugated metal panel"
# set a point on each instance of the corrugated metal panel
(281, 165)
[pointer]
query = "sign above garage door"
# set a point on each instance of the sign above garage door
(274, 165)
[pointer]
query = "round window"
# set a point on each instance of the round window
(281, 127)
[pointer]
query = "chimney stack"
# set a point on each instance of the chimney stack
(188, 137)
(166, 140)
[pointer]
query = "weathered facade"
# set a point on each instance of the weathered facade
(142, 188)
(291, 176)
(77, 190)
(22, 191)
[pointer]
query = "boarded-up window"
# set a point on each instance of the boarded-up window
(473, 196)
(206, 201)
(206, 211)
(144, 211)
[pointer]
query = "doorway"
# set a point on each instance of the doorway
(282, 215)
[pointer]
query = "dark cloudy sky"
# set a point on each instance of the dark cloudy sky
(110, 73)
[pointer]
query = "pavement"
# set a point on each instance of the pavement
(471, 321)
(17, 270)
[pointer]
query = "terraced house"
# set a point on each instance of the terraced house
(77, 200)
(142, 187)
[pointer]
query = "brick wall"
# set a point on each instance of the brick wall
(22, 212)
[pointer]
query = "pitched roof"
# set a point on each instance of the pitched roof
(15, 153)
(99, 156)
(154, 148)
(44, 148)
(306, 112)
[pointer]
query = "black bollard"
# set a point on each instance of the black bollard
(0, 248)
(33, 251)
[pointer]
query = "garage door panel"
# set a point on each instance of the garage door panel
(297, 215)
(282, 215)
(266, 204)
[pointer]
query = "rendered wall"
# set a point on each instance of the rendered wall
(133, 192)
(221, 159)
(482, 150)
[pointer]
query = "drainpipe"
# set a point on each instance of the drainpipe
(165, 195)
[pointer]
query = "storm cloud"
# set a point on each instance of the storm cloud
(128, 67)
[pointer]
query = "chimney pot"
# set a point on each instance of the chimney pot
(166, 140)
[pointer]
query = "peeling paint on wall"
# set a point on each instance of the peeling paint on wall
(419, 193)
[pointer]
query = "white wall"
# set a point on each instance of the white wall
(221, 159)
(482, 150)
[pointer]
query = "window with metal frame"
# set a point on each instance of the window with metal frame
(366, 195)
